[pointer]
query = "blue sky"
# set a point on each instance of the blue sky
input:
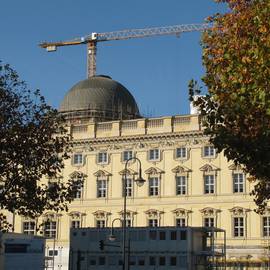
(155, 70)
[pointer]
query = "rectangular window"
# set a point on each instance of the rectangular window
(173, 261)
(173, 235)
(127, 155)
(29, 227)
(75, 224)
(209, 151)
(153, 235)
(209, 222)
(128, 222)
(181, 152)
(102, 158)
(101, 188)
(102, 260)
(209, 184)
(181, 185)
(162, 260)
(141, 260)
(79, 192)
(153, 186)
(154, 154)
(238, 182)
(129, 188)
(50, 229)
(100, 223)
(153, 222)
(180, 222)
(162, 235)
(152, 260)
(77, 159)
(266, 226)
(238, 226)
(183, 235)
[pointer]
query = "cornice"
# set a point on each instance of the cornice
(139, 138)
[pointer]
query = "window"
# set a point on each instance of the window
(152, 260)
(173, 261)
(102, 158)
(266, 226)
(128, 222)
(153, 235)
(183, 235)
(78, 159)
(180, 222)
(209, 151)
(162, 260)
(162, 235)
(141, 260)
(75, 224)
(209, 222)
(101, 188)
(129, 187)
(100, 223)
(181, 152)
(52, 253)
(50, 229)
(153, 222)
(173, 235)
(238, 226)
(153, 186)
(29, 227)
(181, 185)
(127, 155)
(238, 182)
(154, 154)
(79, 192)
(209, 184)
(101, 260)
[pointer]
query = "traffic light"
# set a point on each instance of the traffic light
(101, 244)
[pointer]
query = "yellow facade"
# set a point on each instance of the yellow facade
(214, 191)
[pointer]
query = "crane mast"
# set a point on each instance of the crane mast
(92, 40)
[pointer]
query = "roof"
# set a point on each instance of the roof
(101, 94)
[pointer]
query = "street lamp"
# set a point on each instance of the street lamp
(112, 236)
(139, 181)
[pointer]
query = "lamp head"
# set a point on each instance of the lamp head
(112, 237)
(139, 181)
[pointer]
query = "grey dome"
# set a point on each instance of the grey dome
(102, 95)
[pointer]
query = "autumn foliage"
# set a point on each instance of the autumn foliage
(236, 110)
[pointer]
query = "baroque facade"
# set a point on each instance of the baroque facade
(187, 182)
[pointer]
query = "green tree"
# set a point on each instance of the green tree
(236, 110)
(34, 145)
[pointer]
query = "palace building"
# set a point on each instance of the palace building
(187, 182)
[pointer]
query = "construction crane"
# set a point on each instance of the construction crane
(92, 39)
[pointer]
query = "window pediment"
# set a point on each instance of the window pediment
(129, 213)
(239, 211)
(181, 169)
(128, 172)
(153, 213)
(100, 214)
(209, 211)
(77, 174)
(209, 168)
(76, 214)
(154, 170)
(181, 212)
(101, 173)
(235, 167)
(51, 215)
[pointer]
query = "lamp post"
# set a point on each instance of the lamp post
(112, 237)
(139, 181)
